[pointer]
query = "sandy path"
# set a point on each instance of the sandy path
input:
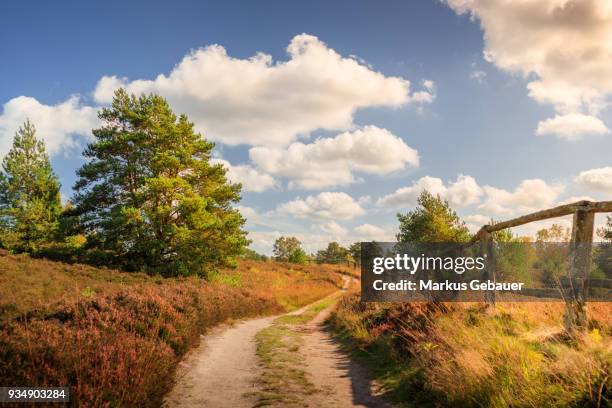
(221, 369)
(340, 381)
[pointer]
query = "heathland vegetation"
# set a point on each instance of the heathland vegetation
(474, 354)
(115, 337)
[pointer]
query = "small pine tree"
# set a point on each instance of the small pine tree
(30, 202)
(149, 196)
(432, 221)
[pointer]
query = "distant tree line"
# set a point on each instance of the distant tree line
(148, 199)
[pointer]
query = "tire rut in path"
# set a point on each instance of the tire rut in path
(220, 370)
(340, 381)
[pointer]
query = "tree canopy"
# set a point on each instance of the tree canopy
(30, 201)
(289, 249)
(433, 220)
(333, 254)
(148, 197)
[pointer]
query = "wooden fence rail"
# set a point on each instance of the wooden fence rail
(575, 316)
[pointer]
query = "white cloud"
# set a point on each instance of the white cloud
(250, 178)
(596, 179)
(369, 232)
(58, 125)
(332, 161)
(572, 126)
(251, 215)
(478, 76)
(476, 221)
(563, 47)
(327, 205)
(333, 229)
(257, 101)
(574, 199)
(530, 195)
(364, 200)
(462, 192)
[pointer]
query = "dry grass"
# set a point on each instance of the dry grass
(115, 337)
(468, 355)
(283, 381)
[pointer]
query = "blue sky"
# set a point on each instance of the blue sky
(474, 117)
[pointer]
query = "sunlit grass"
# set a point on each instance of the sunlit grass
(515, 355)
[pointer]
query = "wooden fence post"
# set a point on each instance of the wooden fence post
(575, 316)
(489, 272)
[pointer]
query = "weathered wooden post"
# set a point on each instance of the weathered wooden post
(575, 316)
(486, 245)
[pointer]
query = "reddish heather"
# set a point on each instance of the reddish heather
(116, 338)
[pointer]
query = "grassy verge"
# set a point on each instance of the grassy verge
(470, 356)
(283, 381)
(116, 338)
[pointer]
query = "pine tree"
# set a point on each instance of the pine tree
(30, 201)
(432, 221)
(148, 195)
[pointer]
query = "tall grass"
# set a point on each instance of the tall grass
(471, 356)
(116, 338)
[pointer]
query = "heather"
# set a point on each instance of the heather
(117, 337)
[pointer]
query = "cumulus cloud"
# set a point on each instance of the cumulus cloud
(476, 221)
(572, 126)
(530, 195)
(258, 101)
(564, 47)
(333, 161)
(599, 179)
(369, 232)
(250, 178)
(462, 192)
(327, 205)
(333, 229)
(61, 126)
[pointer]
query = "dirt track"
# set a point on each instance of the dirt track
(223, 370)
(340, 381)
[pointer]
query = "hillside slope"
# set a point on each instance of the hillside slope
(116, 337)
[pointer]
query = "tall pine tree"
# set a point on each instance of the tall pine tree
(30, 201)
(149, 196)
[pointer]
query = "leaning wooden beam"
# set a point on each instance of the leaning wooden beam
(589, 206)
